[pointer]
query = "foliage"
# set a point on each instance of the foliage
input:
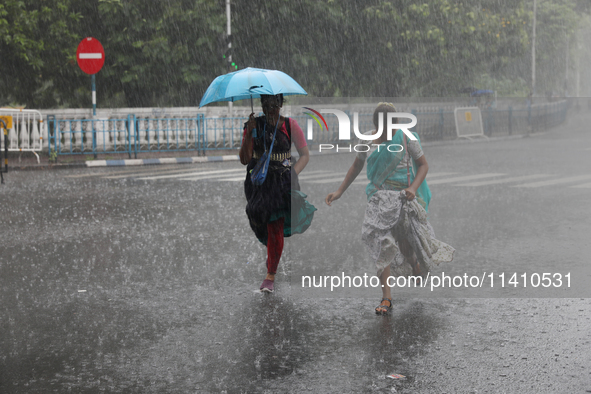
(557, 23)
(53, 156)
(167, 53)
(37, 43)
(161, 52)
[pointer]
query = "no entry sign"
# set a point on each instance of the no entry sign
(90, 55)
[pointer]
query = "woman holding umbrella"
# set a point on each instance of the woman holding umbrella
(276, 208)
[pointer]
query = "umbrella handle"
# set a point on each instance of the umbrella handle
(251, 104)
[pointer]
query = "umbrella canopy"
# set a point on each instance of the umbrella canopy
(250, 83)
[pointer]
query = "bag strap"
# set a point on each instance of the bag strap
(386, 173)
(406, 152)
(288, 128)
(272, 142)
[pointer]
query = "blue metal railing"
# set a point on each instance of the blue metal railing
(134, 135)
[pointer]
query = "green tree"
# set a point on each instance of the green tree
(36, 46)
(161, 53)
(557, 23)
(167, 53)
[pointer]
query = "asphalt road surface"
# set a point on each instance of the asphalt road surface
(144, 280)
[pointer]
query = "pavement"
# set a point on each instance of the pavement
(111, 282)
(27, 161)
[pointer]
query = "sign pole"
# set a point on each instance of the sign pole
(229, 32)
(93, 113)
(4, 126)
(93, 95)
(533, 55)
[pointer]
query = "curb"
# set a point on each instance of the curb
(171, 160)
(34, 167)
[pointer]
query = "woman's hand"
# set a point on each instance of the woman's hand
(250, 124)
(332, 197)
(423, 168)
(410, 193)
(246, 147)
(355, 169)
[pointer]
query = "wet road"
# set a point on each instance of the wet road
(143, 280)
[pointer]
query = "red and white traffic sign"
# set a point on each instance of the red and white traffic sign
(90, 55)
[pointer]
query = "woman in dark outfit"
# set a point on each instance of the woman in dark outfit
(275, 209)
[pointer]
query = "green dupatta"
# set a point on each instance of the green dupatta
(382, 173)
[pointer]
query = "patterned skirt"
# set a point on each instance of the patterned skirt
(389, 219)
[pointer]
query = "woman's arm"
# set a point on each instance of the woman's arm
(303, 160)
(298, 139)
(423, 168)
(355, 169)
(246, 148)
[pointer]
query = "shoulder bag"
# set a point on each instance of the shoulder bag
(259, 173)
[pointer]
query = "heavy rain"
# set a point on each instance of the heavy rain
(128, 260)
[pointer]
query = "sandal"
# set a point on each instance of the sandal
(267, 286)
(383, 309)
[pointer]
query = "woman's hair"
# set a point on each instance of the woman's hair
(279, 96)
(381, 110)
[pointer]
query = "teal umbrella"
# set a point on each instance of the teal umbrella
(250, 83)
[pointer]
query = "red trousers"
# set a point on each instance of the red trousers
(274, 244)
